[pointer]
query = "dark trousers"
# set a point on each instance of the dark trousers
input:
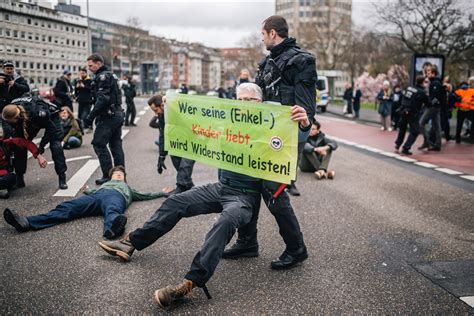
(431, 114)
(84, 110)
(464, 115)
(107, 202)
(412, 120)
(444, 122)
(131, 111)
(234, 205)
(108, 131)
(184, 168)
(7, 181)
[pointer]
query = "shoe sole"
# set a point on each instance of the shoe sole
(10, 219)
(242, 255)
(300, 260)
(114, 252)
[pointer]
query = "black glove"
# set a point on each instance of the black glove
(88, 121)
(41, 149)
(161, 164)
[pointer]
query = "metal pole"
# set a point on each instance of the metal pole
(89, 37)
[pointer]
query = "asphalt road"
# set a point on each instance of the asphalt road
(366, 232)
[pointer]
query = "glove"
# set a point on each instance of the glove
(41, 149)
(161, 164)
(88, 122)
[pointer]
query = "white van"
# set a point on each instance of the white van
(322, 93)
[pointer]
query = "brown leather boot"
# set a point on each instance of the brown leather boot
(122, 248)
(167, 295)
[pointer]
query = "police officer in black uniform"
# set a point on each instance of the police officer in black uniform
(130, 92)
(108, 115)
(288, 76)
(412, 103)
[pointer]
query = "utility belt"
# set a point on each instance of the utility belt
(248, 187)
(110, 112)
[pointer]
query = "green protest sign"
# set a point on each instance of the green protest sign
(256, 139)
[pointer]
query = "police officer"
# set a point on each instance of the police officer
(130, 93)
(108, 115)
(288, 76)
(413, 100)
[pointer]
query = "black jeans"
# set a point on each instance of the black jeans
(234, 205)
(7, 181)
(84, 109)
(413, 121)
(131, 111)
(108, 131)
(463, 115)
(184, 167)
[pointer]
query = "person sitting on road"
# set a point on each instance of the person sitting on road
(7, 176)
(72, 130)
(110, 200)
(235, 197)
(317, 153)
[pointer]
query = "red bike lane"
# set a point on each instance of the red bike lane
(456, 157)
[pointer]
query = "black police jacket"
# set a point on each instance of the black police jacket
(20, 87)
(414, 98)
(288, 76)
(129, 90)
(437, 93)
(105, 93)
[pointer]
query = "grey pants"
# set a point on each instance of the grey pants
(235, 207)
(311, 162)
(433, 115)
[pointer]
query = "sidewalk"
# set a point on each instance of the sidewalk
(456, 157)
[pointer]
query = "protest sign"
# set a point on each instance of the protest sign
(256, 139)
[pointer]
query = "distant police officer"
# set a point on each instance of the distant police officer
(413, 100)
(12, 85)
(109, 117)
(288, 76)
(130, 92)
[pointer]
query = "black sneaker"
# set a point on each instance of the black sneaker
(406, 151)
(117, 228)
(288, 260)
(101, 181)
(4, 195)
(20, 223)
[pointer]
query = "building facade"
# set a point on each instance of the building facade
(321, 26)
(42, 42)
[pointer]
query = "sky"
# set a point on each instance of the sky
(214, 23)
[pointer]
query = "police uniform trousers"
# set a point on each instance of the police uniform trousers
(131, 111)
(184, 168)
(282, 210)
(235, 208)
(412, 120)
(108, 131)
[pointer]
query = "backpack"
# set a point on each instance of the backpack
(39, 110)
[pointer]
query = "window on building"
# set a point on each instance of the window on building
(25, 64)
(43, 38)
(28, 21)
(57, 66)
(30, 36)
(8, 33)
(32, 80)
(36, 23)
(32, 65)
(23, 51)
(15, 50)
(73, 42)
(38, 66)
(7, 17)
(45, 66)
(37, 37)
(17, 64)
(15, 33)
(22, 34)
(50, 39)
(44, 52)
(49, 25)
(67, 42)
(67, 28)
(1, 31)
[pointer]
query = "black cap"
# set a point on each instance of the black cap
(8, 64)
(66, 72)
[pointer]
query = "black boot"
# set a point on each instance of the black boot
(289, 259)
(243, 247)
(20, 182)
(293, 190)
(20, 223)
(62, 181)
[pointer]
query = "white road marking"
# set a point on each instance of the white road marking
(136, 120)
(426, 164)
(389, 154)
(468, 177)
(448, 171)
(469, 300)
(406, 159)
(141, 112)
(79, 178)
(124, 133)
(73, 159)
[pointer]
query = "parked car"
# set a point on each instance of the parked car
(322, 93)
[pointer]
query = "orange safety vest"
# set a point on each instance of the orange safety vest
(467, 99)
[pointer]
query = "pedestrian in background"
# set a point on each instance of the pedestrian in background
(385, 98)
(465, 108)
(130, 92)
(348, 99)
(397, 102)
(63, 90)
(356, 96)
(83, 87)
(72, 130)
(12, 85)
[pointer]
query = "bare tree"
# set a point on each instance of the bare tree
(430, 26)
(253, 53)
(132, 39)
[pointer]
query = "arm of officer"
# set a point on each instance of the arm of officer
(144, 196)
(104, 88)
